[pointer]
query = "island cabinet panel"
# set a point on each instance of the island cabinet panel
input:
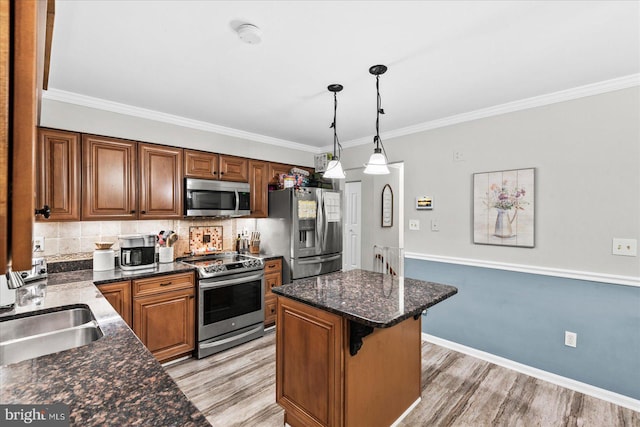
(109, 181)
(259, 182)
(119, 296)
(383, 379)
(58, 170)
(234, 168)
(309, 353)
(199, 164)
(160, 181)
(164, 314)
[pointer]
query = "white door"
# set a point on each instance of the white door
(352, 226)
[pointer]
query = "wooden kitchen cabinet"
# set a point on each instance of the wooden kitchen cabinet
(259, 183)
(58, 174)
(272, 278)
(234, 168)
(275, 169)
(23, 26)
(164, 314)
(109, 178)
(119, 296)
(160, 193)
(199, 164)
(309, 343)
(319, 382)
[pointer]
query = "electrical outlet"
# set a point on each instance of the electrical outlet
(38, 243)
(435, 225)
(625, 247)
(570, 339)
(414, 224)
(458, 156)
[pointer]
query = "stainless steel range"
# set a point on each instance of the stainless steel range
(230, 300)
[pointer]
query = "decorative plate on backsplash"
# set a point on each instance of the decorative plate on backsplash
(205, 239)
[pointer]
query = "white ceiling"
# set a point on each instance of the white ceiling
(445, 58)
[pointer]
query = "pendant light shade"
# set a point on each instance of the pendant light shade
(378, 161)
(377, 164)
(334, 169)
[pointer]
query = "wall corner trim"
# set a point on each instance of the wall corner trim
(597, 88)
(531, 269)
(129, 110)
(599, 393)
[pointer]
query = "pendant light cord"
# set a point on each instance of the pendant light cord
(379, 111)
(336, 141)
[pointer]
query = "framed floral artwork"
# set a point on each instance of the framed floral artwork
(504, 208)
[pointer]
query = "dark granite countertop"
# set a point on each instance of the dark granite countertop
(372, 299)
(117, 275)
(114, 381)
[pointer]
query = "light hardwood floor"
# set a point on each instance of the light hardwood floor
(236, 388)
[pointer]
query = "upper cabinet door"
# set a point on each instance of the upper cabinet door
(234, 168)
(160, 181)
(109, 178)
(259, 182)
(58, 174)
(198, 164)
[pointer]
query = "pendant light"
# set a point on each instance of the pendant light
(378, 161)
(334, 169)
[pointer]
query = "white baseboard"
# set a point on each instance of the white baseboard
(405, 413)
(599, 393)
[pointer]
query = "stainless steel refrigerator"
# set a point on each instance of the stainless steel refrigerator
(305, 227)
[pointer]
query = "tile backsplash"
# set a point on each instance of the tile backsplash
(78, 238)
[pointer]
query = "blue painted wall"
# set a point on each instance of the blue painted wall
(522, 317)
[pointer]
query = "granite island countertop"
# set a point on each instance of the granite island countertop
(372, 299)
(113, 381)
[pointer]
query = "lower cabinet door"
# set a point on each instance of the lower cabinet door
(119, 296)
(165, 323)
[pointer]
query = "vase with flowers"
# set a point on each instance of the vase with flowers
(505, 199)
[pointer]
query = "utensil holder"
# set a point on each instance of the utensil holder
(165, 254)
(254, 247)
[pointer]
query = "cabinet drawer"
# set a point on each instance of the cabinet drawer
(270, 309)
(161, 284)
(272, 266)
(271, 281)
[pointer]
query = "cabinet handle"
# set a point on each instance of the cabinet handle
(273, 310)
(221, 173)
(165, 284)
(133, 212)
(143, 212)
(271, 266)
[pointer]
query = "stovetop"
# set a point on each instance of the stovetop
(223, 263)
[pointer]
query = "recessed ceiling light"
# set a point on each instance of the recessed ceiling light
(249, 33)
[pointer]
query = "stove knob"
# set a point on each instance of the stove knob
(42, 271)
(24, 274)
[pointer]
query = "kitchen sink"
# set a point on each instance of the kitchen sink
(40, 333)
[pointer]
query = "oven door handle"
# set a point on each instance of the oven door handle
(231, 339)
(220, 283)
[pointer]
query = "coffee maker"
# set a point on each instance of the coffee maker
(137, 251)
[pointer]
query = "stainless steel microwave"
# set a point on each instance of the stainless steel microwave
(206, 197)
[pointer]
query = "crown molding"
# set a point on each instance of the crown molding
(116, 107)
(531, 269)
(523, 104)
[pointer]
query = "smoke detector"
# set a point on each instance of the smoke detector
(249, 33)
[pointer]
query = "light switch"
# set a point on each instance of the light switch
(435, 225)
(414, 224)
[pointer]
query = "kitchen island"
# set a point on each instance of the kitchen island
(348, 347)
